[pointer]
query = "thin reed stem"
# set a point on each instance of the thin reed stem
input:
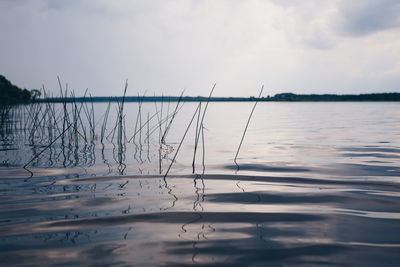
(247, 125)
(180, 144)
(172, 119)
(198, 131)
(37, 155)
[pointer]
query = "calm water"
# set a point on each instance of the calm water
(318, 183)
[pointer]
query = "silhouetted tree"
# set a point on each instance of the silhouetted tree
(11, 94)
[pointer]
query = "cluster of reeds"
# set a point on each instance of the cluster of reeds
(67, 130)
(70, 124)
(7, 116)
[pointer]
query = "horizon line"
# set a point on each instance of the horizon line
(390, 96)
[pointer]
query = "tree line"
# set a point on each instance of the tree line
(11, 94)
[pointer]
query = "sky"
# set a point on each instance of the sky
(163, 47)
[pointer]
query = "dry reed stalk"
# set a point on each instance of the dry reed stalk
(198, 131)
(180, 144)
(247, 125)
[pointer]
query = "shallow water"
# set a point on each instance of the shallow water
(318, 183)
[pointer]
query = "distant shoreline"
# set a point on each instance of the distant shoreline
(284, 97)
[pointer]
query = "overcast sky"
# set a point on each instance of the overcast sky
(300, 46)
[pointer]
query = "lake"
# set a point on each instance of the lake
(316, 183)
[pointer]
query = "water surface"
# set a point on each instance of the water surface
(318, 183)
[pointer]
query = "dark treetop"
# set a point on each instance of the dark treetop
(11, 94)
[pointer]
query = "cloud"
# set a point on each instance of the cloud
(323, 24)
(165, 46)
(366, 17)
(309, 23)
(60, 4)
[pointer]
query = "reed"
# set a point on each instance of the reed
(121, 115)
(172, 118)
(148, 136)
(204, 151)
(104, 124)
(196, 139)
(198, 129)
(247, 125)
(180, 143)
